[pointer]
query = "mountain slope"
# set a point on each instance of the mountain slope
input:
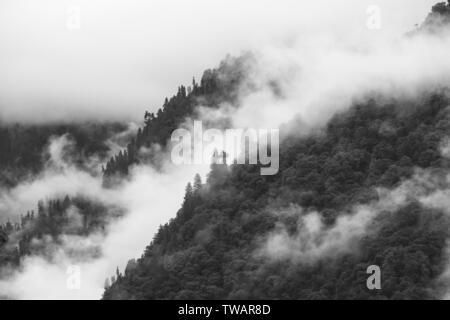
(369, 189)
(220, 245)
(24, 146)
(217, 86)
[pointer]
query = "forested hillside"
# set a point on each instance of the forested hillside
(23, 147)
(25, 156)
(366, 186)
(210, 249)
(216, 86)
(38, 231)
(348, 196)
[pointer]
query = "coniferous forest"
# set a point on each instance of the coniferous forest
(364, 183)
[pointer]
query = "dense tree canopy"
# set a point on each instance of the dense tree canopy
(23, 146)
(208, 250)
(212, 90)
(51, 219)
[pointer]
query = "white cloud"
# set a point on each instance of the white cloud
(313, 240)
(128, 55)
(150, 198)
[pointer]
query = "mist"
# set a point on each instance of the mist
(313, 240)
(311, 81)
(103, 59)
(149, 198)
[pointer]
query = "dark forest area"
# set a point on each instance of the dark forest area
(369, 146)
(208, 250)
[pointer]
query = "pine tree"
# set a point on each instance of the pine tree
(66, 202)
(3, 237)
(188, 192)
(41, 209)
(197, 182)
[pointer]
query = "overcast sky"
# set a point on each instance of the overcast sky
(125, 56)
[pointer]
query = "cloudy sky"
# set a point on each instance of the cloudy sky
(112, 59)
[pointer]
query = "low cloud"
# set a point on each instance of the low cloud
(149, 198)
(312, 80)
(313, 240)
(126, 56)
